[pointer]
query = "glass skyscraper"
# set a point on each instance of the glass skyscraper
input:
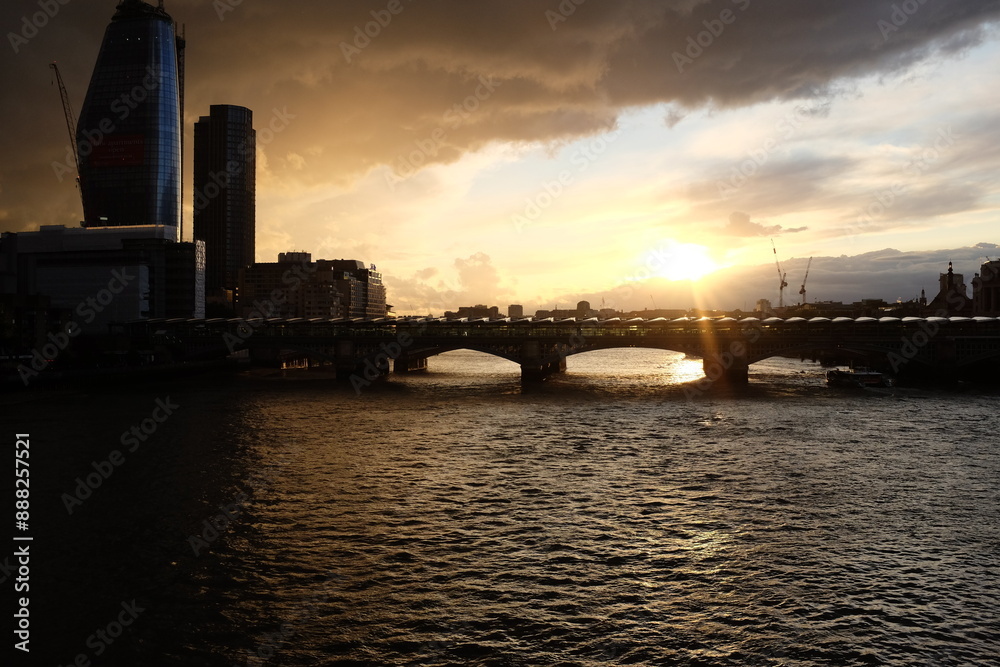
(225, 177)
(129, 133)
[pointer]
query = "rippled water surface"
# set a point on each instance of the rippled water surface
(613, 515)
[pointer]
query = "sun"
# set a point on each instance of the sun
(683, 261)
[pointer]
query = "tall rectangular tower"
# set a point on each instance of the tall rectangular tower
(129, 133)
(225, 174)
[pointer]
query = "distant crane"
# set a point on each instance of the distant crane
(70, 123)
(782, 283)
(802, 290)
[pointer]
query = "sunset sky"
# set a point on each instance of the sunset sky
(538, 152)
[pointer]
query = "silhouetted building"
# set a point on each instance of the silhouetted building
(477, 312)
(100, 276)
(296, 286)
(584, 311)
(363, 286)
(129, 132)
(515, 311)
(986, 290)
(953, 297)
(225, 172)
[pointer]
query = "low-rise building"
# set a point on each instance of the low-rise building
(297, 286)
(106, 275)
(476, 312)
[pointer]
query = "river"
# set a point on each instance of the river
(611, 516)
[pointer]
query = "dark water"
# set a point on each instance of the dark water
(608, 517)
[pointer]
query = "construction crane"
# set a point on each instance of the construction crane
(782, 283)
(802, 290)
(70, 123)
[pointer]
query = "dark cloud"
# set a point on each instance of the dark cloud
(553, 80)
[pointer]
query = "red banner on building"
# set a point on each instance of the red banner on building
(119, 151)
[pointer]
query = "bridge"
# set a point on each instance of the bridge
(363, 350)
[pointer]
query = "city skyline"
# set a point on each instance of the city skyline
(561, 151)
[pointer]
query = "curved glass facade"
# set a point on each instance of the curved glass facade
(129, 133)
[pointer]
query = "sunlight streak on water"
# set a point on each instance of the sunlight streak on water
(601, 518)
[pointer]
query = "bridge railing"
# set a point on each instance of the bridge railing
(855, 329)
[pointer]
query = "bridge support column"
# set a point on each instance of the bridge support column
(535, 365)
(405, 364)
(350, 363)
(534, 372)
(730, 367)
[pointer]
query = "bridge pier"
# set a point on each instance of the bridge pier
(360, 370)
(405, 364)
(535, 372)
(538, 362)
(730, 367)
(350, 362)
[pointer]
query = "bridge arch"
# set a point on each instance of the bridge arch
(956, 346)
(433, 351)
(614, 345)
(855, 350)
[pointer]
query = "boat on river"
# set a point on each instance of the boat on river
(857, 377)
